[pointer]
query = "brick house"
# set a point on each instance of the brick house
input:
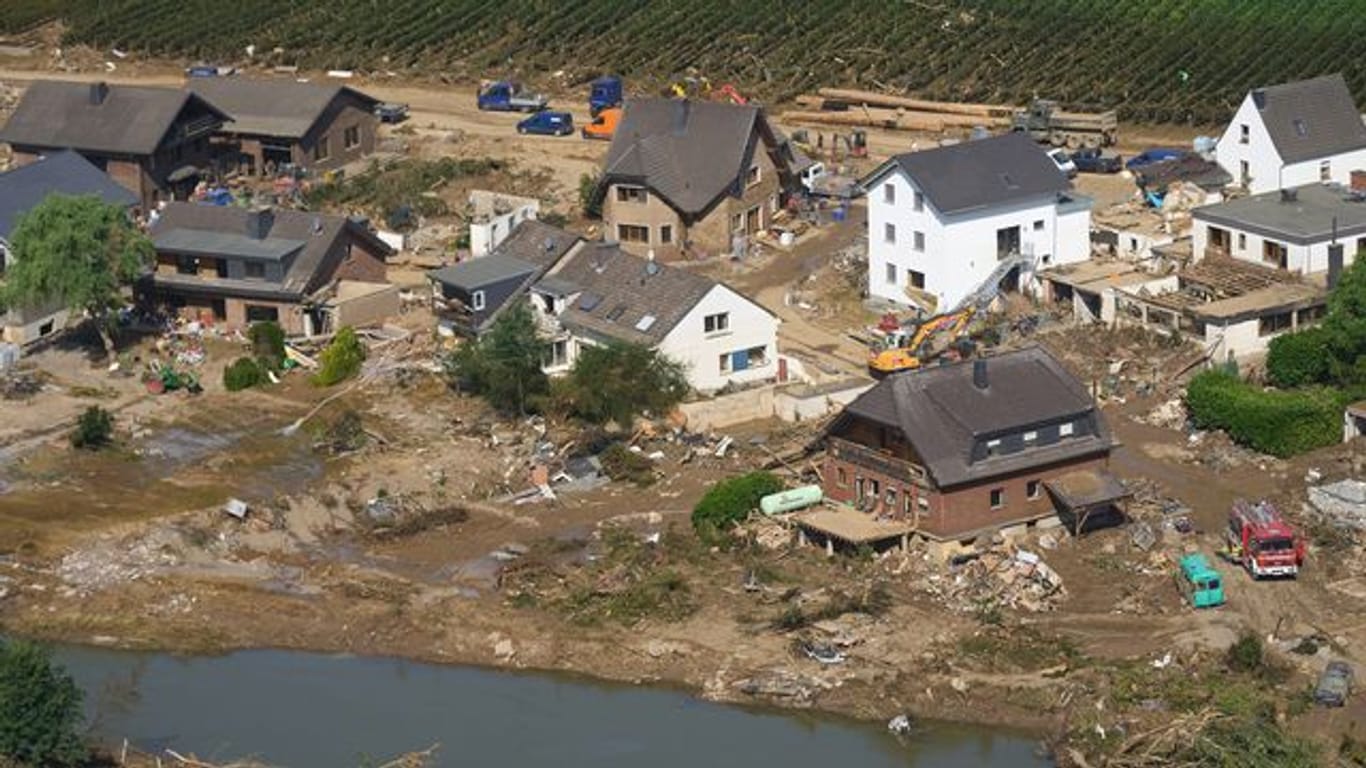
(278, 122)
(152, 141)
(237, 266)
(955, 451)
(685, 177)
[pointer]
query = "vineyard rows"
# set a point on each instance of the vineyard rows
(1155, 60)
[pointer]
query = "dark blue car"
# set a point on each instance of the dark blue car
(548, 123)
(1150, 156)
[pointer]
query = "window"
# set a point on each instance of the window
(1273, 324)
(918, 202)
(888, 193)
(723, 363)
(1032, 489)
(666, 233)
(556, 354)
(716, 323)
(1038, 225)
(322, 149)
(891, 274)
(1274, 253)
(187, 265)
(1242, 241)
(916, 279)
(1326, 170)
(633, 233)
(758, 356)
(47, 328)
(1031, 437)
(1065, 430)
(255, 270)
(923, 503)
(994, 447)
(890, 498)
(477, 300)
(752, 177)
(1244, 172)
(918, 241)
(351, 137)
(889, 233)
(842, 476)
(1243, 133)
(998, 498)
(257, 313)
(630, 194)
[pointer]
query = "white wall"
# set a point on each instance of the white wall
(485, 236)
(960, 250)
(1264, 162)
(1247, 246)
(749, 326)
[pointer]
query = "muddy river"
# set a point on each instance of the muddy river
(320, 711)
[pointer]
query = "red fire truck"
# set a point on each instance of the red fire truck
(1262, 541)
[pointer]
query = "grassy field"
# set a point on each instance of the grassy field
(1156, 60)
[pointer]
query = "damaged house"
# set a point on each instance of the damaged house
(687, 177)
(957, 451)
(309, 272)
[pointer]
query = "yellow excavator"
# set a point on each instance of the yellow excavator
(907, 350)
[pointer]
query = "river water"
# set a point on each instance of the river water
(307, 710)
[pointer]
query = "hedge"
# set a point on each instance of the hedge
(730, 501)
(1275, 422)
(1298, 359)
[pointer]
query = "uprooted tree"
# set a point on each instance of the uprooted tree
(79, 251)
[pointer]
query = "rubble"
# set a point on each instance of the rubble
(1001, 576)
(1341, 504)
(798, 689)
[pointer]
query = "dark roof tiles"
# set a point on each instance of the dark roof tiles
(278, 108)
(1310, 119)
(61, 173)
(977, 174)
(128, 120)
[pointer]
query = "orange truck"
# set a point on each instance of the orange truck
(604, 125)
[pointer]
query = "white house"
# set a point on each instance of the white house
(494, 215)
(942, 222)
(1293, 229)
(600, 293)
(1294, 134)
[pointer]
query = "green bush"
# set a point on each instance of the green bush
(1246, 654)
(1298, 359)
(1279, 423)
(268, 344)
(341, 359)
(621, 463)
(730, 501)
(244, 373)
(588, 196)
(40, 708)
(94, 429)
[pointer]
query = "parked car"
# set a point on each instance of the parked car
(1091, 160)
(1064, 163)
(548, 123)
(1150, 156)
(390, 112)
(209, 70)
(1335, 684)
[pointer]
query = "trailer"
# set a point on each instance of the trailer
(1049, 124)
(604, 93)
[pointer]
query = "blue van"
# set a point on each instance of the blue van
(548, 124)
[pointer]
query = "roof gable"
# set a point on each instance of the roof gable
(95, 117)
(279, 108)
(61, 173)
(978, 174)
(1310, 119)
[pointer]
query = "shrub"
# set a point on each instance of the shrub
(40, 708)
(244, 373)
(618, 381)
(268, 344)
(730, 501)
(588, 196)
(1297, 359)
(620, 463)
(1246, 654)
(341, 359)
(94, 429)
(1279, 423)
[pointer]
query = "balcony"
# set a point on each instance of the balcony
(878, 461)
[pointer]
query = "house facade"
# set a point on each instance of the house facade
(974, 447)
(1294, 134)
(234, 266)
(155, 142)
(493, 217)
(944, 221)
(692, 178)
(274, 123)
(1310, 229)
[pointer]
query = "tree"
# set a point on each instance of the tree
(94, 429)
(40, 708)
(620, 381)
(80, 251)
(588, 196)
(268, 344)
(504, 365)
(1346, 325)
(340, 359)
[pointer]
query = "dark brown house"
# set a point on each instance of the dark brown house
(955, 451)
(221, 264)
(152, 141)
(278, 122)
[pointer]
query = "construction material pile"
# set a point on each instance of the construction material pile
(1003, 577)
(870, 109)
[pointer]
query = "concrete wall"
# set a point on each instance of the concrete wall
(789, 402)
(1247, 246)
(1243, 339)
(28, 326)
(370, 308)
(1263, 161)
(486, 235)
(749, 326)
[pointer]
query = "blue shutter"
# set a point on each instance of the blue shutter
(739, 360)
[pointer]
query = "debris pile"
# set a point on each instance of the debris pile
(1341, 504)
(1003, 576)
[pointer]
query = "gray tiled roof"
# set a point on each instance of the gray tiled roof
(1311, 118)
(279, 108)
(687, 152)
(537, 243)
(473, 274)
(60, 173)
(942, 414)
(978, 174)
(201, 242)
(130, 120)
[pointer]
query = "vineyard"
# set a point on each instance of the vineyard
(1154, 60)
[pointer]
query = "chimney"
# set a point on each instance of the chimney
(1289, 195)
(1359, 181)
(99, 92)
(681, 109)
(979, 374)
(1334, 265)
(259, 222)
